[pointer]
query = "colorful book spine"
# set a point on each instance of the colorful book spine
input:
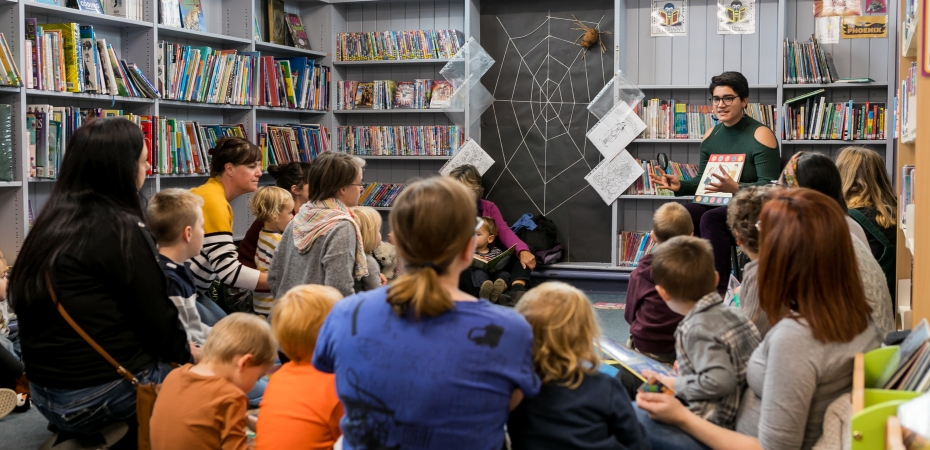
(399, 140)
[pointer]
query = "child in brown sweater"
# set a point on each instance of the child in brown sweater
(204, 406)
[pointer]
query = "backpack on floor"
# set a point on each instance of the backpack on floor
(543, 241)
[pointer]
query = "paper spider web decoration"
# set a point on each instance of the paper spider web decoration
(540, 110)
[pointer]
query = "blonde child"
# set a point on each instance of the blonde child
(14, 388)
(275, 207)
(578, 407)
(369, 223)
(204, 405)
(485, 235)
(300, 408)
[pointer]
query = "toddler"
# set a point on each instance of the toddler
(275, 207)
(14, 388)
(300, 408)
(578, 407)
(369, 224)
(204, 405)
(485, 235)
(713, 342)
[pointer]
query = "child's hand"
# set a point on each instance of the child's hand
(384, 280)
(251, 422)
(663, 408)
(664, 379)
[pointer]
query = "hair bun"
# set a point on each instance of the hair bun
(275, 169)
(212, 151)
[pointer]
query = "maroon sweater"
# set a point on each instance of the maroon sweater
(652, 323)
(249, 244)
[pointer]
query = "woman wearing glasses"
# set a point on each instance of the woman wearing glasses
(736, 134)
(323, 244)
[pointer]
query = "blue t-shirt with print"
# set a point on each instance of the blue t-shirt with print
(440, 382)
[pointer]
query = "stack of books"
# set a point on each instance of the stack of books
(296, 83)
(808, 63)
(671, 119)
(633, 245)
(380, 195)
(913, 370)
(205, 75)
(399, 140)
(67, 57)
(645, 186)
(282, 144)
(817, 119)
(387, 94)
(397, 45)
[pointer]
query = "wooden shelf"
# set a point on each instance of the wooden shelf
(381, 208)
(200, 36)
(83, 17)
(390, 62)
(396, 111)
(287, 50)
(84, 96)
(835, 142)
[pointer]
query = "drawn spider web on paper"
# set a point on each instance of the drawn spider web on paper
(547, 98)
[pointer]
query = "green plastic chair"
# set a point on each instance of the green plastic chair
(873, 406)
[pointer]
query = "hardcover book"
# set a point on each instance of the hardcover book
(192, 15)
(731, 165)
(442, 92)
(90, 5)
(364, 95)
(73, 58)
(50, 2)
(619, 356)
(404, 95)
(256, 31)
(91, 61)
(298, 33)
(276, 22)
(494, 264)
(170, 13)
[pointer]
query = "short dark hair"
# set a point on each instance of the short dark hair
(234, 150)
(684, 267)
(331, 172)
(732, 80)
(743, 213)
(290, 174)
(818, 172)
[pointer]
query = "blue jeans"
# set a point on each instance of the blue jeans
(666, 437)
(210, 312)
(257, 392)
(89, 409)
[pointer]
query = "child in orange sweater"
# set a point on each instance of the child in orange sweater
(300, 408)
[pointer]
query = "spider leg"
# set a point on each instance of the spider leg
(603, 47)
(579, 38)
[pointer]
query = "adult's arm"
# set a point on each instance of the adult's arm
(765, 157)
(667, 409)
(339, 258)
(689, 187)
(220, 258)
(714, 375)
(505, 234)
(249, 244)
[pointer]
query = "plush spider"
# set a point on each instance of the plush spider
(590, 37)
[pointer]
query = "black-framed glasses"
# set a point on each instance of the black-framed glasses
(727, 100)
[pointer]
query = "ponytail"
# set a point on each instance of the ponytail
(419, 292)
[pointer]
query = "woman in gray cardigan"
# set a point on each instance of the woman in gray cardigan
(322, 244)
(806, 360)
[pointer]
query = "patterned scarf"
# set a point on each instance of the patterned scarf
(789, 174)
(315, 219)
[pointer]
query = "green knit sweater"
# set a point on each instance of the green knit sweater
(763, 164)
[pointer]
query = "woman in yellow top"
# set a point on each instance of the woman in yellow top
(234, 170)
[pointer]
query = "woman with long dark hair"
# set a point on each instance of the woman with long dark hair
(91, 242)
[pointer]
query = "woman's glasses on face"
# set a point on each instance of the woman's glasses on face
(727, 101)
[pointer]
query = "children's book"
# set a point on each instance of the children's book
(192, 15)
(50, 2)
(606, 305)
(91, 61)
(170, 13)
(256, 31)
(90, 5)
(298, 34)
(494, 264)
(624, 358)
(732, 296)
(442, 92)
(404, 95)
(731, 165)
(364, 95)
(276, 22)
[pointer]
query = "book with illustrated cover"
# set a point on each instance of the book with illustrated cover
(404, 97)
(442, 92)
(256, 31)
(50, 2)
(192, 15)
(90, 6)
(277, 22)
(624, 358)
(494, 264)
(170, 13)
(298, 34)
(731, 165)
(91, 61)
(364, 95)
(73, 57)
(109, 77)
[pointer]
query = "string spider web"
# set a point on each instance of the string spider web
(548, 96)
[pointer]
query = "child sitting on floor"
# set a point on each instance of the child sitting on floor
(176, 219)
(578, 407)
(652, 323)
(204, 405)
(713, 342)
(485, 235)
(369, 224)
(742, 216)
(300, 408)
(275, 207)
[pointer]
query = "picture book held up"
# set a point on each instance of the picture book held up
(730, 165)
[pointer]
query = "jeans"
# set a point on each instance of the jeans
(710, 222)
(87, 410)
(666, 437)
(210, 312)
(257, 392)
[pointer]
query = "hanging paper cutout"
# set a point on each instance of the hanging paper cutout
(825, 8)
(827, 29)
(736, 16)
(669, 17)
(865, 27)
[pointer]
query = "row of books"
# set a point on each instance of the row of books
(645, 186)
(205, 75)
(281, 144)
(387, 94)
(913, 370)
(397, 45)
(399, 140)
(671, 119)
(380, 194)
(67, 57)
(129, 9)
(633, 245)
(296, 83)
(808, 63)
(6, 143)
(815, 119)
(9, 70)
(180, 147)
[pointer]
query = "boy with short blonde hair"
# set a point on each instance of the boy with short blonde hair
(300, 408)
(652, 324)
(204, 405)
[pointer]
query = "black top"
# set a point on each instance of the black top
(123, 307)
(890, 233)
(596, 415)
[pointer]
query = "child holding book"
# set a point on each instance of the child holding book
(485, 236)
(369, 224)
(275, 208)
(204, 405)
(578, 407)
(300, 408)
(652, 322)
(713, 342)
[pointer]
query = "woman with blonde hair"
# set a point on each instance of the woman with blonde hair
(578, 407)
(872, 203)
(419, 363)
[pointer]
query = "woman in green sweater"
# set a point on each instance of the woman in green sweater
(736, 133)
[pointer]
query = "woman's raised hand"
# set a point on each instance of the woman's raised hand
(666, 181)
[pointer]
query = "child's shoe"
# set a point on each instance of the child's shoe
(486, 288)
(8, 401)
(498, 288)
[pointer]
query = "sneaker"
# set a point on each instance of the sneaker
(486, 289)
(498, 288)
(8, 400)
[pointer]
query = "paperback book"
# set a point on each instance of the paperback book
(281, 144)
(493, 264)
(298, 34)
(441, 93)
(192, 15)
(170, 12)
(398, 140)
(730, 165)
(397, 45)
(380, 195)
(633, 246)
(624, 358)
